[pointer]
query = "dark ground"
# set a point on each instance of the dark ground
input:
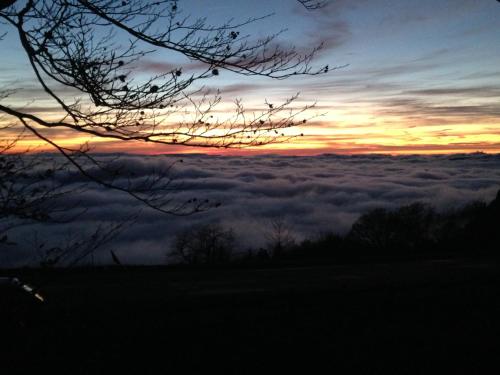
(406, 317)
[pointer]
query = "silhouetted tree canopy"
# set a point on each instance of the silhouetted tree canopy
(407, 228)
(86, 56)
(92, 50)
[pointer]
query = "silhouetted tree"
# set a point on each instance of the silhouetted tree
(325, 245)
(93, 51)
(279, 235)
(407, 228)
(206, 244)
(72, 45)
(372, 229)
(29, 190)
(482, 233)
(77, 248)
(33, 191)
(414, 226)
(452, 228)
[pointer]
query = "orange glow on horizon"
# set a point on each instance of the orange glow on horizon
(337, 132)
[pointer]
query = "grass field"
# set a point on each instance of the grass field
(406, 317)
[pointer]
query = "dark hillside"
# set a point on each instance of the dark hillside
(416, 317)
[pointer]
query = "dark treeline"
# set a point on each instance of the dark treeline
(415, 230)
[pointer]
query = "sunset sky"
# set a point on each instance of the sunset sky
(418, 76)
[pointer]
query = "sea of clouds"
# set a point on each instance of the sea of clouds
(312, 194)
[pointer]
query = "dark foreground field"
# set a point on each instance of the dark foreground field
(414, 317)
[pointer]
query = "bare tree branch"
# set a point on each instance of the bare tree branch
(79, 45)
(313, 4)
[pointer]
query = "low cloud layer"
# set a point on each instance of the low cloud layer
(313, 194)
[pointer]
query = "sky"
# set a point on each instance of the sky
(415, 77)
